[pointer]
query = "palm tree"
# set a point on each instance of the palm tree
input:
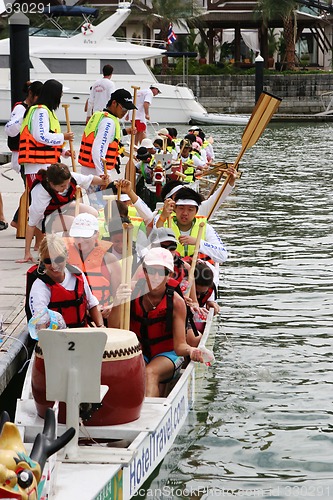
(284, 9)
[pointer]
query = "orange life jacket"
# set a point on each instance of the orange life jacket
(32, 151)
(89, 134)
(92, 266)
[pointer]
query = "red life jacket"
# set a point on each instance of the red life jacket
(71, 304)
(14, 142)
(202, 299)
(57, 200)
(92, 266)
(154, 328)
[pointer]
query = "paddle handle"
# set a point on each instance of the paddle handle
(130, 170)
(127, 309)
(123, 272)
(194, 260)
(109, 199)
(217, 182)
(71, 145)
(77, 200)
(105, 169)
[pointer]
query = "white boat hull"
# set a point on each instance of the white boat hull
(115, 472)
(218, 119)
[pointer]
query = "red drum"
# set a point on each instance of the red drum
(123, 371)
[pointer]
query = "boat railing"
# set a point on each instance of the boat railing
(150, 42)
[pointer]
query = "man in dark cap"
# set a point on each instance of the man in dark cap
(101, 138)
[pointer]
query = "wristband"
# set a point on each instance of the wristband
(163, 219)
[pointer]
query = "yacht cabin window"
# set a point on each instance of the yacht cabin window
(120, 66)
(77, 66)
(4, 61)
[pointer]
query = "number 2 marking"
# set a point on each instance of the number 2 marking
(71, 346)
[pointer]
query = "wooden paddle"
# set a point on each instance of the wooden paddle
(129, 261)
(71, 145)
(130, 167)
(215, 170)
(126, 271)
(23, 213)
(109, 198)
(266, 106)
(78, 194)
(194, 260)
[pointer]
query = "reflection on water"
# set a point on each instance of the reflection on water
(263, 425)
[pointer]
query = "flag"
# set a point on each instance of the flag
(171, 35)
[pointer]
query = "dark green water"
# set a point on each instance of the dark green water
(262, 426)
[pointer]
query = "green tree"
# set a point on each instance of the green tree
(164, 12)
(285, 9)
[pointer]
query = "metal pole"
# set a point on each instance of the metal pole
(259, 76)
(19, 55)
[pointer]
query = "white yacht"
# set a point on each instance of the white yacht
(77, 62)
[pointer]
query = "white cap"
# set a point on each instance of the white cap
(83, 226)
(124, 197)
(159, 257)
(162, 234)
(163, 132)
(147, 143)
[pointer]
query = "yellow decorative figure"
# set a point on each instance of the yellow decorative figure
(20, 474)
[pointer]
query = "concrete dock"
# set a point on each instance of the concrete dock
(13, 336)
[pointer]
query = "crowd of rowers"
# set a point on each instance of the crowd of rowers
(78, 272)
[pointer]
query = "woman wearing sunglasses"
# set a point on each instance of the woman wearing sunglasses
(60, 287)
(158, 317)
(52, 204)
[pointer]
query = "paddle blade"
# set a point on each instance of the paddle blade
(263, 111)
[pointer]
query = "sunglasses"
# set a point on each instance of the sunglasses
(122, 107)
(161, 272)
(171, 246)
(58, 260)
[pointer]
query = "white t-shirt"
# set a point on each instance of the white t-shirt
(40, 199)
(144, 95)
(100, 94)
(40, 293)
(13, 128)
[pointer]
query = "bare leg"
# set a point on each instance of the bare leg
(3, 222)
(139, 136)
(39, 236)
(2, 215)
(159, 369)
